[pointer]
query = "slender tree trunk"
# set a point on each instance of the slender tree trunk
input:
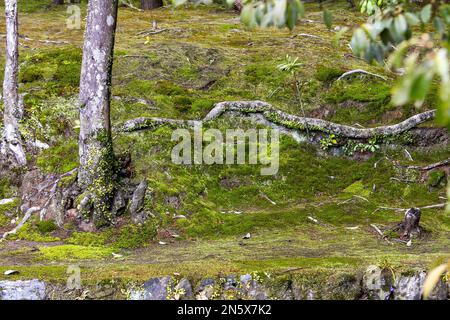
(97, 160)
(11, 145)
(151, 4)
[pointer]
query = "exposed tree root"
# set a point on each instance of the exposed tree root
(432, 166)
(307, 35)
(383, 236)
(154, 123)
(20, 225)
(346, 74)
(284, 121)
(151, 32)
(433, 206)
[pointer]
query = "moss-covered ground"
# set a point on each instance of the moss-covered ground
(205, 56)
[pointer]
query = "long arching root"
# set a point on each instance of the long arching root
(285, 121)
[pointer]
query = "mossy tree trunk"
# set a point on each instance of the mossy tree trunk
(11, 144)
(97, 161)
(151, 4)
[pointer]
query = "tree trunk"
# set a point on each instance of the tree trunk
(11, 146)
(151, 4)
(238, 5)
(97, 160)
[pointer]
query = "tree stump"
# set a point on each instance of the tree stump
(410, 224)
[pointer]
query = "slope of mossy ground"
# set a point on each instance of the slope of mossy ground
(207, 56)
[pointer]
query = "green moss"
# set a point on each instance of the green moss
(327, 74)
(87, 239)
(46, 226)
(38, 6)
(139, 88)
(61, 158)
(73, 252)
(4, 220)
(263, 72)
(202, 106)
(182, 103)
(187, 72)
(57, 70)
(6, 190)
(68, 180)
(133, 236)
(6, 210)
(30, 232)
(436, 177)
(358, 90)
(169, 88)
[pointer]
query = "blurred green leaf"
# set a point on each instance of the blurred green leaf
(412, 18)
(327, 18)
(425, 13)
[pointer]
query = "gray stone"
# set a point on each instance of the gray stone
(137, 203)
(252, 289)
(205, 290)
(377, 283)
(440, 292)
(230, 283)
(185, 289)
(205, 282)
(154, 289)
(119, 203)
(22, 290)
(245, 278)
(409, 287)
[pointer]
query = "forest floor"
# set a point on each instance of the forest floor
(202, 56)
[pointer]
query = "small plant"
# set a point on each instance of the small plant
(174, 293)
(385, 264)
(328, 142)
(290, 64)
(352, 147)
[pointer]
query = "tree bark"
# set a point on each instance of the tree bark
(97, 160)
(151, 4)
(285, 121)
(11, 145)
(410, 224)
